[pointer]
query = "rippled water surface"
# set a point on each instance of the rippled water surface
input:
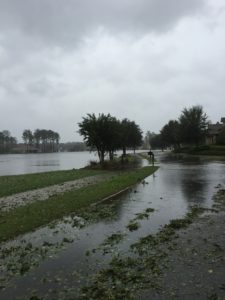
(12, 164)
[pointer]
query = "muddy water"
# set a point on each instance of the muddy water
(66, 255)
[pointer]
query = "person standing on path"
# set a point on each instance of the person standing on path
(152, 156)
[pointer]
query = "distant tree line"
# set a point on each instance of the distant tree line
(41, 140)
(7, 142)
(73, 147)
(190, 129)
(106, 134)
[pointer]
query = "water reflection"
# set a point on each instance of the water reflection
(196, 177)
(193, 185)
(50, 162)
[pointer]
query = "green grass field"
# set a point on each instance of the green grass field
(26, 218)
(10, 185)
(209, 150)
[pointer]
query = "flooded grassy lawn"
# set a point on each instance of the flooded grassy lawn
(29, 251)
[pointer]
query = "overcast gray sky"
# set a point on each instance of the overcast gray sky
(144, 60)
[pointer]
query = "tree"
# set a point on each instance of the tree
(51, 140)
(56, 141)
(157, 142)
(46, 140)
(112, 137)
(43, 138)
(124, 135)
(170, 134)
(7, 142)
(193, 125)
(28, 138)
(130, 135)
(135, 137)
(100, 133)
(106, 134)
(37, 137)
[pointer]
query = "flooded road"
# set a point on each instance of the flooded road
(53, 262)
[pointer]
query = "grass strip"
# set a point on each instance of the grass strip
(26, 218)
(10, 185)
(208, 150)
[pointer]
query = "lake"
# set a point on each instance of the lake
(13, 164)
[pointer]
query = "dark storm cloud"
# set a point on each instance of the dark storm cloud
(66, 21)
(141, 59)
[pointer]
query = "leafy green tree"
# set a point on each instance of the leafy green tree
(106, 134)
(131, 135)
(193, 125)
(100, 133)
(170, 134)
(135, 137)
(112, 139)
(157, 142)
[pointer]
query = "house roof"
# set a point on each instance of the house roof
(222, 120)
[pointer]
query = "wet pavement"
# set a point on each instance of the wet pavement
(58, 259)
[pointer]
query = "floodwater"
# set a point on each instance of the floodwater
(72, 254)
(13, 164)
